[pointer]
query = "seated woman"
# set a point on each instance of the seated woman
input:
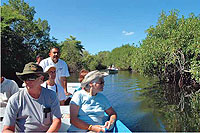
(87, 106)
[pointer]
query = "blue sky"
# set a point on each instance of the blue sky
(102, 25)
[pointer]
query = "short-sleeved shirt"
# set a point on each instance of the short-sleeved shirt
(8, 88)
(91, 110)
(30, 114)
(56, 88)
(61, 68)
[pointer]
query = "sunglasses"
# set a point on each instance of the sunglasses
(30, 77)
(102, 82)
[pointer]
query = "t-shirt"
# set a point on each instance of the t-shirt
(91, 110)
(61, 68)
(30, 114)
(56, 88)
(8, 88)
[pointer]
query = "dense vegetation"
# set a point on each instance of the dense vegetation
(170, 51)
(22, 37)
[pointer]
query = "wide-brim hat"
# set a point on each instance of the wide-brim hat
(91, 76)
(48, 68)
(32, 68)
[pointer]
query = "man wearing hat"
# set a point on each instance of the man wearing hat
(88, 106)
(50, 84)
(34, 108)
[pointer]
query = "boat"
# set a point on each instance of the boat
(112, 70)
(72, 87)
(118, 127)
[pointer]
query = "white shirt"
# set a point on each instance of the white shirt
(56, 88)
(8, 88)
(61, 68)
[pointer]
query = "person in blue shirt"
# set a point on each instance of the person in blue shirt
(88, 106)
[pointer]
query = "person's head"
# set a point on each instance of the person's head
(54, 54)
(39, 58)
(82, 74)
(94, 81)
(32, 75)
(51, 70)
(2, 79)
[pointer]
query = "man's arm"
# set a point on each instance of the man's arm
(55, 126)
(8, 129)
(64, 85)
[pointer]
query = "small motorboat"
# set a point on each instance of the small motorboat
(112, 70)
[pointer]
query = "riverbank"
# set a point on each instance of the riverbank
(177, 114)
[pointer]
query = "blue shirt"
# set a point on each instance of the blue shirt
(92, 108)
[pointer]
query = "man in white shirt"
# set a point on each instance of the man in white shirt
(61, 67)
(50, 84)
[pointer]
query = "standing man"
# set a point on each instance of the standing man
(61, 67)
(8, 88)
(33, 109)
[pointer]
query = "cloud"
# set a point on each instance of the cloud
(126, 33)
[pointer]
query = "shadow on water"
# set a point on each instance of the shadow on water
(123, 91)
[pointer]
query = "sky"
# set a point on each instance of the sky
(102, 25)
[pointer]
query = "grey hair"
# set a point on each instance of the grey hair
(87, 87)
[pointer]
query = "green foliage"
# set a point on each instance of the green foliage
(22, 37)
(89, 61)
(170, 47)
(72, 53)
(121, 57)
(171, 51)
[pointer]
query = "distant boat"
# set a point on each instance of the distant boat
(112, 70)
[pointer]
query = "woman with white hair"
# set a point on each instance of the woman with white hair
(88, 106)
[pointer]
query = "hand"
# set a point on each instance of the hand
(108, 125)
(98, 128)
(67, 94)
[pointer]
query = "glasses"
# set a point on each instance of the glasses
(30, 77)
(102, 82)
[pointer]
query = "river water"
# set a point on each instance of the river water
(123, 90)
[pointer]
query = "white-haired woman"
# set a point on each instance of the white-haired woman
(87, 106)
